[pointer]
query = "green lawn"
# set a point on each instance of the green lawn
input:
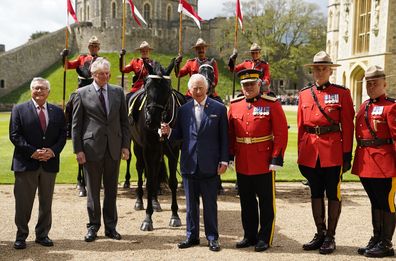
(68, 171)
(68, 164)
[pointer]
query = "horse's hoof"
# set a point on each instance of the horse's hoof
(139, 206)
(175, 222)
(127, 184)
(147, 226)
(157, 206)
(82, 193)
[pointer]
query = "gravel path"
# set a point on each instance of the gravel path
(294, 226)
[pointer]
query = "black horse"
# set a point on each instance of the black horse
(157, 103)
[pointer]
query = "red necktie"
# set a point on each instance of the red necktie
(42, 119)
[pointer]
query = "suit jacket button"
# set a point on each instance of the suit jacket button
(44, 138)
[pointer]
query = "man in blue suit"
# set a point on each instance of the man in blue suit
(202, 125)
(38, 132)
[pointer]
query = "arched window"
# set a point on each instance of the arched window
(362, 26)
(146, 12)
(87, 13)
(113, 10)
(169, 13)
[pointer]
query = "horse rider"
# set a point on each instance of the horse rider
(255, 63)
(83, 62)
(136, 65)
(375, 161)
(192, 66)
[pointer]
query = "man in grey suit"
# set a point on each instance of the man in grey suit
(38, 132)
(101, 138)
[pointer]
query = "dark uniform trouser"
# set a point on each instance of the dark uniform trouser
(94, 171)
(207, 188)
(263, 187)
(323, 179)
(26, 184)
(380, 193)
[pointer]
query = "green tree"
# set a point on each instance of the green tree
(290, 32)
(37, 35)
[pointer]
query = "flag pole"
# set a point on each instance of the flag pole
(235, 48)
(123, 42)
(65, 60)
(180, 49)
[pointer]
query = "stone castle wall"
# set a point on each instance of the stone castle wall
(18, 66)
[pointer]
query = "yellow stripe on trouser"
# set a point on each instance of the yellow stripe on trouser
(339, 186)
(391, 196)
(274, 209)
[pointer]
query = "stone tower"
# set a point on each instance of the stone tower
(361, 33)
(104, 19)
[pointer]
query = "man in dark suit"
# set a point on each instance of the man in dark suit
(100, 139)
(38, 132)
(202, 125)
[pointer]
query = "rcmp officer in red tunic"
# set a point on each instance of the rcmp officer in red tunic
(257, 139)
(136, 65)
(83, 62)
(375, 161)
(192, 65)
(255, 63)
(325, 136)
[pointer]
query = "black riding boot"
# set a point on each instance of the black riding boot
(318, 212)
(384, 247)
(376, 220)
(334, 210)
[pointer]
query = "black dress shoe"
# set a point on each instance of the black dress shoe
(45, 241)
(20, 244)
(188, 243)
(214, 245)
(113, 234)
(245, 243)
(315, 243)
(91, 235)
(328, 246)
(261, 246)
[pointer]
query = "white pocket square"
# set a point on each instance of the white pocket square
(213, 116)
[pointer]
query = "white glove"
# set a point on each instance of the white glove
(274, 167)
(231, 165)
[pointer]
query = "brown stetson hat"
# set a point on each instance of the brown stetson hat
(144, 45)
(255, 48)
(93, 41)
(200, 42)
(322, 59)
(374, 72)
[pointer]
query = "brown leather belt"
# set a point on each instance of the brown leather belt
(250, 140)
(318, 130)
(373, 142)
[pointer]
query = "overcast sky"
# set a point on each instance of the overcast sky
(20, 18)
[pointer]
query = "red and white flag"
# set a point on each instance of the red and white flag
(136, 14)
(70, 10)
(238, 13)
(187, 9)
